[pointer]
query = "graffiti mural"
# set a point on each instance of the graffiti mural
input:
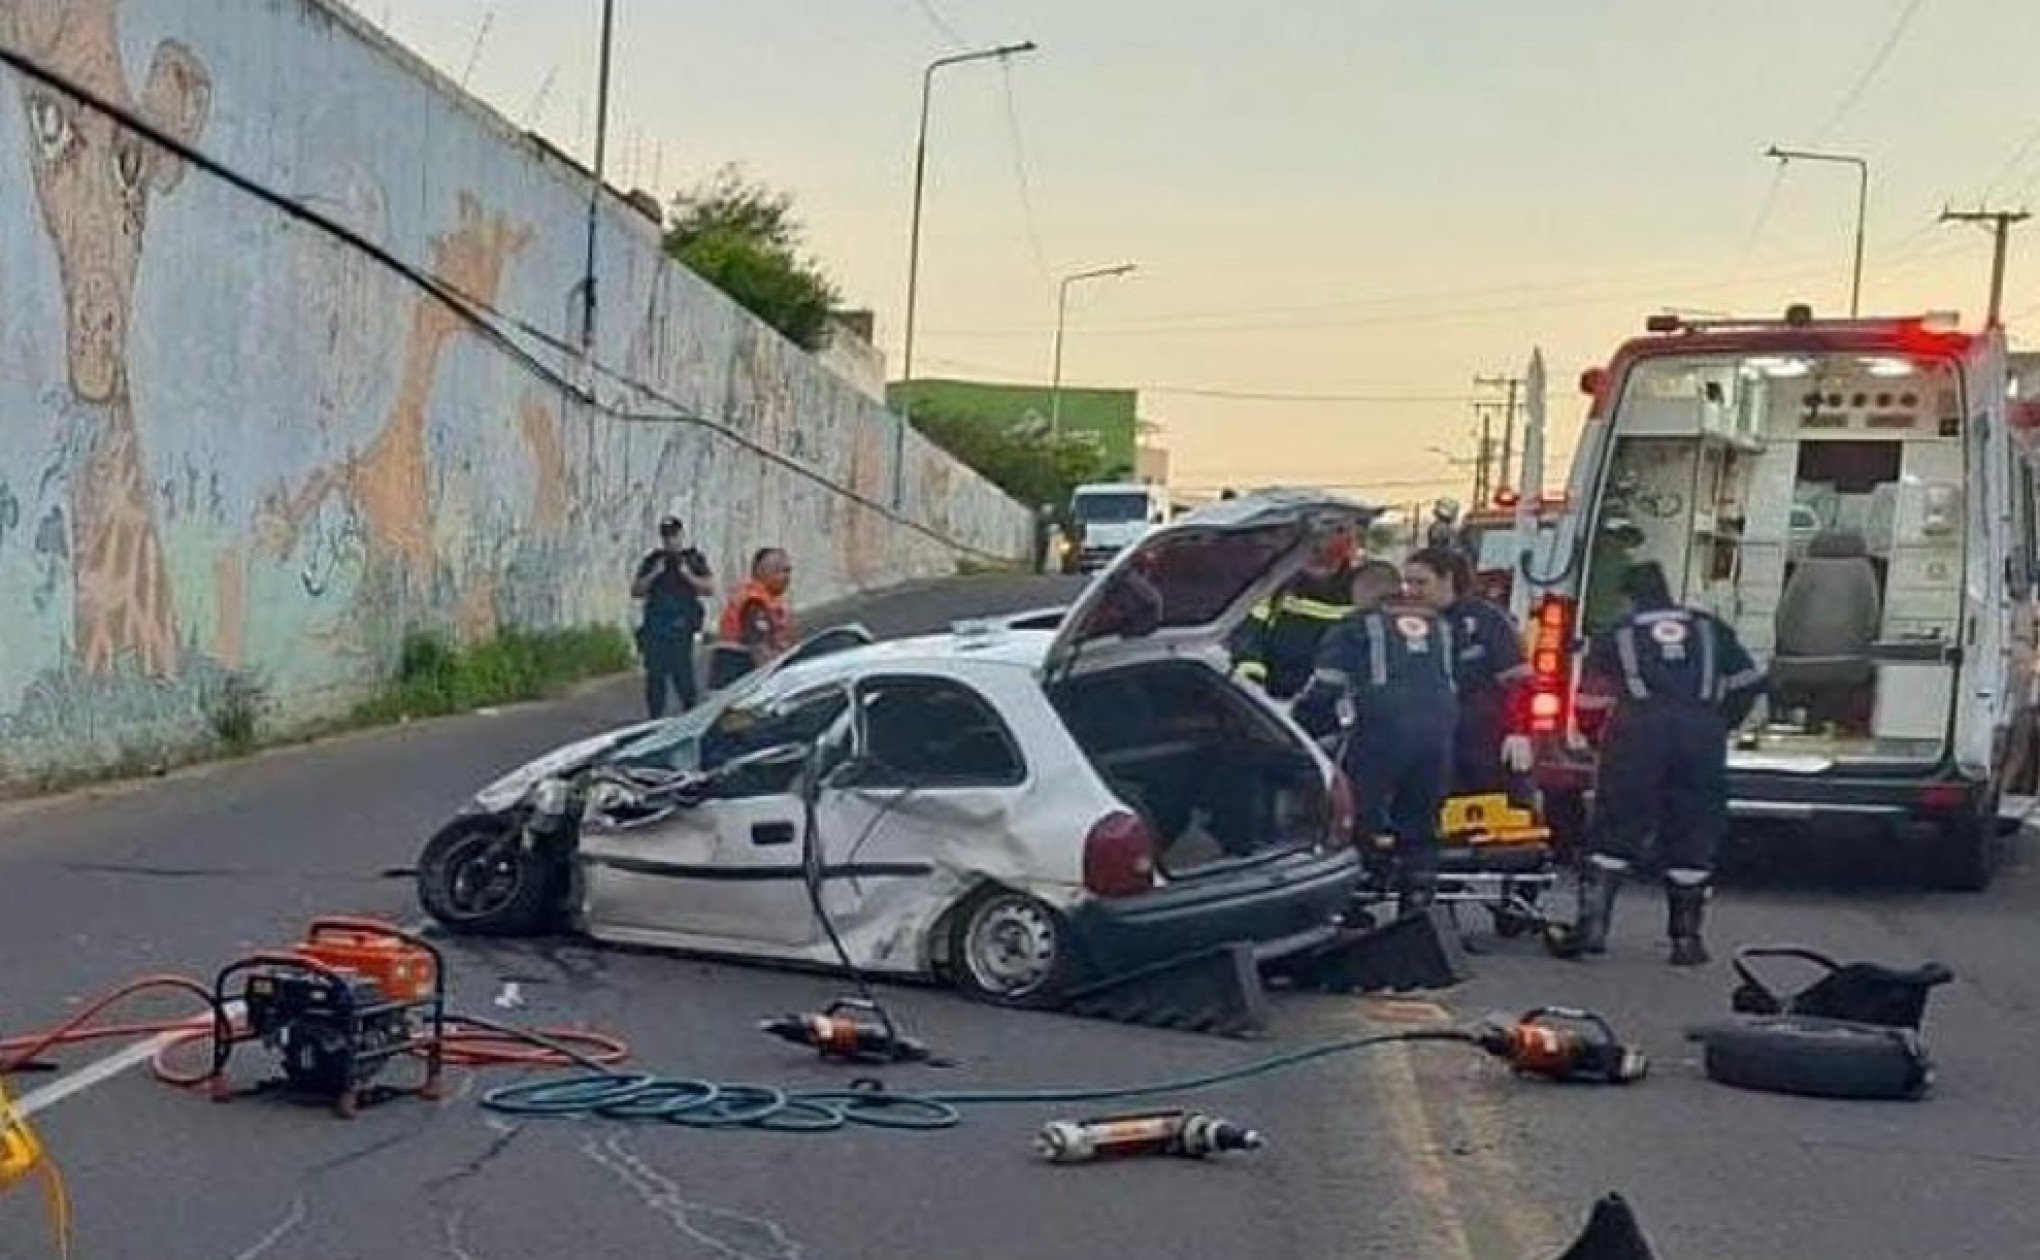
(93, 184)
(242, 446)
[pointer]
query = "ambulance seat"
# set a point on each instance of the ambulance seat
(1828, 619)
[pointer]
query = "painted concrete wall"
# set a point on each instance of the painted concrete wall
(232, 444)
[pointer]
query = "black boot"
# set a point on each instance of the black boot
(1588, 934)
(1599, 882)
(1685, 909)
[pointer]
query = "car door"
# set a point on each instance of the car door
(728, 868)
(932, 801)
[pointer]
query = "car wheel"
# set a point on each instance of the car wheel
(475, 879)
(1820, 1058)
(1010, 949)
(1965, 853)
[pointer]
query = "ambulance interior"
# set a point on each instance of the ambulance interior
(1815, 503)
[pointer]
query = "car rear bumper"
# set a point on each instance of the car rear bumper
(1279, 905)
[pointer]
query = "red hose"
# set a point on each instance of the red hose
(464, 1044)
(16, 1052)
(469, 1045)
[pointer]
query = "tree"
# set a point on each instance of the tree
(743, 238)
(1031, 466)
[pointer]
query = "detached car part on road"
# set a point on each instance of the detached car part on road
(1016, 807)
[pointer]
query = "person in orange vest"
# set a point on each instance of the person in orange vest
(757, 623)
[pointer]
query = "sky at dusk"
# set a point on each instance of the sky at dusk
(1342, 211)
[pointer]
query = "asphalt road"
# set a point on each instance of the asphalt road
(1403, 1153)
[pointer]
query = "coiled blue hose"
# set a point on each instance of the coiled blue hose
(702, 1104)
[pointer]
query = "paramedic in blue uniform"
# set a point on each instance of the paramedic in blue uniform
(1488, 670)
(1660, 690)
(1384, 679)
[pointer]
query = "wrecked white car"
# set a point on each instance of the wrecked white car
(1014, 807)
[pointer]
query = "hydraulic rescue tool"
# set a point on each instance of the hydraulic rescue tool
(334, 1010)
(1563, 1044)
(838, 1036)
(1182, 1134)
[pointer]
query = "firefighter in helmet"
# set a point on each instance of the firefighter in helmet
(1277, 647)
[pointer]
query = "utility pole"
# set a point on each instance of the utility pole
(2000, 223)
(1480, 464)
(595, 193)
(1000, 53)
(1783, 156)
(1513, 384)
(1062, 305)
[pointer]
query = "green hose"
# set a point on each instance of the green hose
(713, 1105)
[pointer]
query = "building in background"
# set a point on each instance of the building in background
(1106, 417)
(1150, 458)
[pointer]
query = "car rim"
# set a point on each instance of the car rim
(1012, 946)
(482, 876)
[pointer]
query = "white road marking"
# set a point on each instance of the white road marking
(97, 1073)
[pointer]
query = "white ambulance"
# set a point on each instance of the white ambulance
(1856, 498)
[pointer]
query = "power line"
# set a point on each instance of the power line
(1579, 297)
(2011, 165)
(1229, 394)
(1763, 219)
(1854, 96)
(1247, 395)
(1018, 149)
(480, 317)
(940, 23)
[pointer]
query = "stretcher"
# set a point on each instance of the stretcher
(1493, 855)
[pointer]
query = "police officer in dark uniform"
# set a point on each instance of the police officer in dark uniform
(1488, 669)
(672, 581)
(1384, 674)
(1660, 691)
(1277, 647)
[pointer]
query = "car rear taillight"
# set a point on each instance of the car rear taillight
(1343, 808)
(1119, 856)
(1551, 633)
(1944, 797)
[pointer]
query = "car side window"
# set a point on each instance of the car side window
(796, 719)
(933, 733)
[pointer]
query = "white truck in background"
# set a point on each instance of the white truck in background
(1108, 516)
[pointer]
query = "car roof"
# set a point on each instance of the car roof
(947, 652)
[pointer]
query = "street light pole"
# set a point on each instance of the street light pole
(1862, 206)
(1062, 303)
(914, 244)
(595, 194)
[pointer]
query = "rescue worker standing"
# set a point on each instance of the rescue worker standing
(1277, 647)
(757, 623)
(672, 581)
(1384, 675)
(1660, 691)
(1488, 671)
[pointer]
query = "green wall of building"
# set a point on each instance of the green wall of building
(1107, 415)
